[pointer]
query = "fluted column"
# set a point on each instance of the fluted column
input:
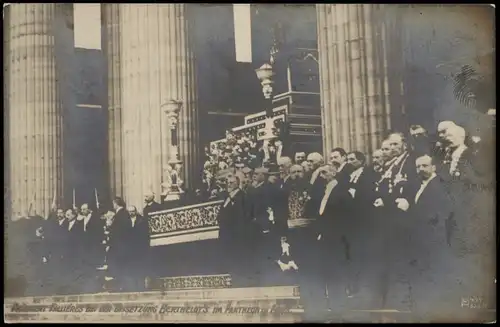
(358, 94)
(35, 111)
(111, 24)
(157, 65)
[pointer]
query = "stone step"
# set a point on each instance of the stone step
(193, 294)
(259, 304)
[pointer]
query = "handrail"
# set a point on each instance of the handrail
(185, 218)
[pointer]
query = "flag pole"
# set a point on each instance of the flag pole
(31, 204)
(54, 204)
(97, 204)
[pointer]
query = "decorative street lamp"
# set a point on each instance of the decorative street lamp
(172, 172)
(265, 75)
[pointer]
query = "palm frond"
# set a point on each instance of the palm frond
(464, 86)
(474, 90)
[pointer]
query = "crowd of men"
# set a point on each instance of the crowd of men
(413, 229)
(78, 251)
(417, 220)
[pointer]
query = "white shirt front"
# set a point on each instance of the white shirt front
(328, 191)
(133, 221)
(61, 221)
(455, 157)
(86, 220)
(314, 176)
(284, 181)
(231, 195)
(423, 186)
(71, 223)
(355, 175)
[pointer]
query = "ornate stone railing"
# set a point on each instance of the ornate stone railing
(193, 223)
(185, 224)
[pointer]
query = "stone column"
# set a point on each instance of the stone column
(112, 44)
(357, 55)
(157, 65)
(35, 122)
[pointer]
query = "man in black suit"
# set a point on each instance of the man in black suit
(150, 205)
(262, 208)
(439, 143)
(472, 228)
(338, 158)
(119, 231)
(396, 183)
(284, 187)
(234, 227)
(135, 265)
(362, 228)
(420, 141)
(429, 256)
(327, 266)
(92, 228)
(71, 258)
(55, 230)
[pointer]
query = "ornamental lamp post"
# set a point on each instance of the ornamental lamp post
(265, 75)
(172, 174)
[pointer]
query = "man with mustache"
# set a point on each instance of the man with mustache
(429, 256)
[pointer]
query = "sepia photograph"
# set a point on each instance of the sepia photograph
(249, 163)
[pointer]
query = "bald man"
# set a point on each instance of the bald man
(459, 158)
(317, 185)
(397, 181)
(150, 204)
(439, 148)
(472, 239)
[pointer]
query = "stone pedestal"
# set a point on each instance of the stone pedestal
(359, 56)
(35, 121)
(157, 64)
